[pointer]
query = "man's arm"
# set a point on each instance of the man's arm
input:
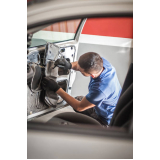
(74, 65)
(49, 84)
(77, 105)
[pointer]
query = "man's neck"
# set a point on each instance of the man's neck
(98, 74)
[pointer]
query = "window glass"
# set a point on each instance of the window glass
(57, 32)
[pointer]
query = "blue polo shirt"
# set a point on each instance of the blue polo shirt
(104, 92)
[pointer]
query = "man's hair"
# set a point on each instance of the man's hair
(90, 62)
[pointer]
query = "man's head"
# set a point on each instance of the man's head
(90, 64)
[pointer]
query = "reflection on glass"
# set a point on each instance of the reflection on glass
(57, 32)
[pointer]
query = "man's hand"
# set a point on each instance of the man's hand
(49, 84)
(63, 63)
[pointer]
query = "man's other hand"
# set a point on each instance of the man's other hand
(49, 84)
(63, 63)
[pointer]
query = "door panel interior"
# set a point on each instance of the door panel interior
(40, 65)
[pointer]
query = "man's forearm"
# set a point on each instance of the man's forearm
(74, 65)
(69, 99)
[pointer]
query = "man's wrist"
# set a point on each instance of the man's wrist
(70, 66)
(58, 90)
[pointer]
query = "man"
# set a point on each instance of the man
(104, 87)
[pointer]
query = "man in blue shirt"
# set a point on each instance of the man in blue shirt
(104, 87)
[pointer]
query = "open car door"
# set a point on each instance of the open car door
(58, 40)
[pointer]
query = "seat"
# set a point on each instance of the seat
(123, 114)
(76, 118)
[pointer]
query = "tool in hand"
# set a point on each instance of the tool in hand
(58, 66)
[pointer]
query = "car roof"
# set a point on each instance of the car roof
(43, 13)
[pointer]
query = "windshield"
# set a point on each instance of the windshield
(57, 32)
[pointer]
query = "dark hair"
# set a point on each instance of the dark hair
(90, 62)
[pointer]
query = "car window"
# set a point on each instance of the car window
(57, 32)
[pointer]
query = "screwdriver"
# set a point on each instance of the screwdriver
(60, 66)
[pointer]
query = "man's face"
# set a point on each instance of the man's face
(82, 71)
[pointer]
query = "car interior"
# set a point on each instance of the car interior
(42, 52)
(40, 63)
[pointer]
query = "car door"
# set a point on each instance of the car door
(57, 40)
